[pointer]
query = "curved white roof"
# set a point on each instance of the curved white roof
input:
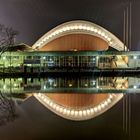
(78, 27)
(75, 27)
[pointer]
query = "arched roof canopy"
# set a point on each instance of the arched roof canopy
(79, 27)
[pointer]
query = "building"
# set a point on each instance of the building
(68, 61)
(75, 44)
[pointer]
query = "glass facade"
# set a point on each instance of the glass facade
(43, 61)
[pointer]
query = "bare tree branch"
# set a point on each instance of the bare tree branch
(7, 105)
(7, 36)
(7, 109)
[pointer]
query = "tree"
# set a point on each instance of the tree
(7, 37)
(7, 106)
(7, 109)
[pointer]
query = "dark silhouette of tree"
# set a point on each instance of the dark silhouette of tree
(7, 108)
(7, 37)
(7, 105)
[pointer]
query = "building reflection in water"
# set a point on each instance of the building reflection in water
(79, 97)
(67, 84)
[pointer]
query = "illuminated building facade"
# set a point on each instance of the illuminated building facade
(75, 45)
(41, 61)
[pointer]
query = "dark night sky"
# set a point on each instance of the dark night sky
(33, 18)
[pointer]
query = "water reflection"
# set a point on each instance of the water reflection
(83, 97)
(84, 84)
(7, 109)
